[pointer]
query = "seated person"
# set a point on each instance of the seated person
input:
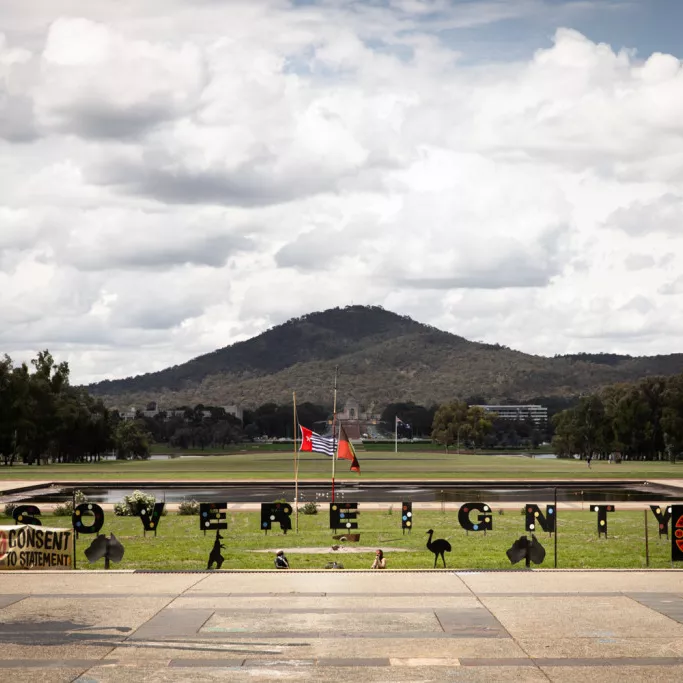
(380, 561)
(281, 560)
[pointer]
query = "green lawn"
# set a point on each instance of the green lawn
(374, 465)
(181, 545)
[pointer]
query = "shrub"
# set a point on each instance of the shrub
(9, 509)
(131, 505)
(309, 508)
(188, 507)
(67, 509)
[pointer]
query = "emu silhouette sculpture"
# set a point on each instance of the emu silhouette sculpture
(438, 547)
(215, 554)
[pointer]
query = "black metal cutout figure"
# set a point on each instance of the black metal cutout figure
(110, 549)
(215, 554)
(527, 550)
(438, 547)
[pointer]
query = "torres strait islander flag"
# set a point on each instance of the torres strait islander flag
(345, 451)
(310, 441)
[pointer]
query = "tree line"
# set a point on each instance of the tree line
(45, 419)
(638, 421)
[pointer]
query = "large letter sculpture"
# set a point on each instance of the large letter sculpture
(535, 517)
(151, 522)
(27, 514)
(276, 512)
(406, 517)
(677, 533)
(78, 522)
(602, 511)
(212, 516)
(342, 515)
(484, 520)
(663, 515)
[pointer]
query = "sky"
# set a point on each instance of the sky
(180, 175)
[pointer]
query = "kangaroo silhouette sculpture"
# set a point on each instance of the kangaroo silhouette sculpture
(438, 547)
(215, 554)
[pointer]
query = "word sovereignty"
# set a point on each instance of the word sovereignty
(35, 547)
(29, 546)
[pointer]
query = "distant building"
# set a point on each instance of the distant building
(129, 414)
(235, 411)
(153, 409)
(537, 414)
(356, 419)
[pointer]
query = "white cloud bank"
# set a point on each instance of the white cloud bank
(180, 177)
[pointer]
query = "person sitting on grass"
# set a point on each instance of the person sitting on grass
(281, 560)
(380, 561)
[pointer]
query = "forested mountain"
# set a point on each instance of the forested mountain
(382, 357)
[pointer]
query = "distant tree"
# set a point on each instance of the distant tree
(672, 417)
(584, 429)
(479, 424)
(132, 441)
(457, 422)
(565, 438)
(449, 420)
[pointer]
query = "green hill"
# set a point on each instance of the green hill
(382, 357)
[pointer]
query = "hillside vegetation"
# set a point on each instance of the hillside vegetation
(382, 357)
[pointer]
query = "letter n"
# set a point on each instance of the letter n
(535, 518)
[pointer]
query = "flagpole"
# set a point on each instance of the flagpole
(334, 424)
(296, 464)
(395, 433)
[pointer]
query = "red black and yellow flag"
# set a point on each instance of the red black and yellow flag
(345, 450)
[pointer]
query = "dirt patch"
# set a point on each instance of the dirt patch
(342, 550)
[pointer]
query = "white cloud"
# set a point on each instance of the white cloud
(97, 83)
(663, 215)
(639, 262)
(177, 176)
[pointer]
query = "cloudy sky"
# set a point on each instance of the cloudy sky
(178, 175)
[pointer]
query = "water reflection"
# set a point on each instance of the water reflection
(373, 492)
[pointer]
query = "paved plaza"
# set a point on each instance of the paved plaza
(539, 625)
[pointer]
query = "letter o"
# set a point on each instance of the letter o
(78, 522)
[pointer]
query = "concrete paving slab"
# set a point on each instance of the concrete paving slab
(46, 653)
(575, 617)
(23, 675)
(84, 583)
(304, 672)
(332, 582)
(336, 602)
(614, 674)
(6, 600)
(565, 582)
(38, 617)
(325, 626)
(321, 648)
(602, 647)
(331, 622)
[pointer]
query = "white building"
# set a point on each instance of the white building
(537, 414)
(235, 411)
